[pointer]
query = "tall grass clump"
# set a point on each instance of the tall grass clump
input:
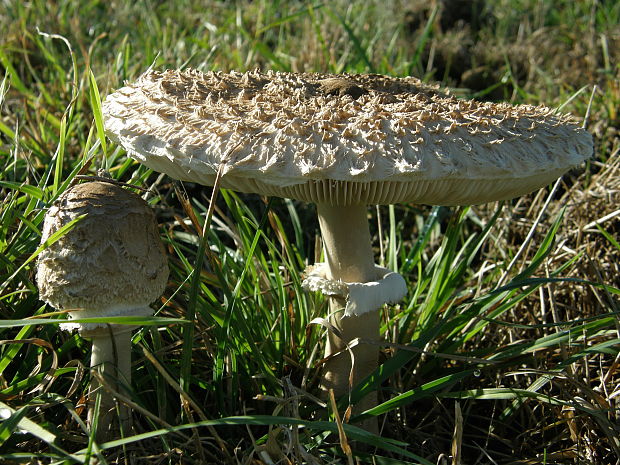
(505, 349)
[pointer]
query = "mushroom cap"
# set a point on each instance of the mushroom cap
(345, 139)
(111, 263)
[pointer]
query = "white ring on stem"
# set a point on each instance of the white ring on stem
(388, 287)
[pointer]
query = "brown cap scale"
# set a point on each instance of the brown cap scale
(110, 263)
(342, 142)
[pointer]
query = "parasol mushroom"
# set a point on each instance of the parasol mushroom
(111, 263)
(342, 142)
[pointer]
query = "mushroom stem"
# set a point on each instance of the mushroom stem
(348, 252)
(111, 358)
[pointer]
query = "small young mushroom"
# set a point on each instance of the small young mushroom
(110, 263)
(342, 142)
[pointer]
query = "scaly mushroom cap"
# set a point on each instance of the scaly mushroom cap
(346, 139)
(111, 263)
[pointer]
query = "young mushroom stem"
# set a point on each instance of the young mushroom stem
(348, 252)
(111, 359)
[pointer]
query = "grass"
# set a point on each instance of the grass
(506, 348)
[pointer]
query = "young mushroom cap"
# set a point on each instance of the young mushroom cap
(111, 263)
(342, 142)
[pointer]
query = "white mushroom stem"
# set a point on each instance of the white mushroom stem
(111, 359)
(349, 257)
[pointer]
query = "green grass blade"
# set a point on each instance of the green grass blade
(95, 103)
(60, 155)
(120, 320)
(357, 44)
(427, 390)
